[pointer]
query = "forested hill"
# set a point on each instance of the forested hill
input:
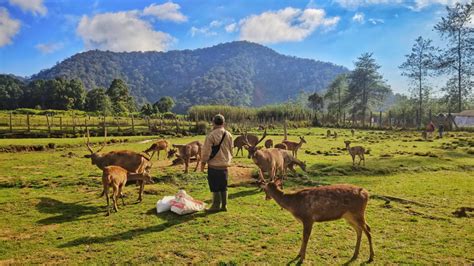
(236, 73)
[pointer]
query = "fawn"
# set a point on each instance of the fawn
(356, 150)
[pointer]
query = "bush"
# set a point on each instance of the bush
(201, 127)
(169, 115)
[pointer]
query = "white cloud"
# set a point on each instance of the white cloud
(359, 17)
(48, 48)
(208, 30)
(357, 3)
(412, 4)
(231, 27)
(34, 6)
(376, 21)
(420, 4)
(167, 11)
(9, 27)
(285, 25)
(121, 31)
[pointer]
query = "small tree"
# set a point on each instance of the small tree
(458, 57)
(417, 67)
(165, 104)
(98, 101)
(316, 103)
(147, 110)
(336, 93)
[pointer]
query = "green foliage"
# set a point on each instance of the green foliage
(11, 92)
(236, 73)
(165, 104)
(366, 87)
(122, 102)
(98, 101)
(335, 95)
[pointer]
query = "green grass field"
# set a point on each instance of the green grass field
(51, 213)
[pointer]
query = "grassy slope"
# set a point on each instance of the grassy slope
(51, 211)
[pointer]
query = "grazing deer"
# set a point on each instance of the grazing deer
(116, 177)
(294, 146)
(269, 143)
(261, 127)
(133, 162)
(352, 132)
(290, 161)
(353, 151)
(160, 145)
(185, 152)
(239, 141)
(335, 134)
(321, 204)
(281, 146)
(328, 133)
(269, 160)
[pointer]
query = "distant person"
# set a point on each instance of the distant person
(217, 153)
(430, 128)
(441, 130)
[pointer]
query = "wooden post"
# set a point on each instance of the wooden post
(61, 123)
(47, 122)
(133, 125)
(380, 119)
(11, 125)
(28, 122)
(284, 130)
(74, 124)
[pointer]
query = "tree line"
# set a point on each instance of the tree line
(63, 94)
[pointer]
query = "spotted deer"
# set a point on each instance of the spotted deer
(321, 204)
(294, 146)
(356, 150)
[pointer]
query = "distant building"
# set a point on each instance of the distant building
(464, 118)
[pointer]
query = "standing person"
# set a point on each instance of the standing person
(217, 153)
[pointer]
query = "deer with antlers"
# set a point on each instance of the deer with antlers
(132, 161)
(160, 145)
(356, 150)
(269, 143)
(241, 140)
(294, 146)
(321, 204)
(269, 160)
(185, 152)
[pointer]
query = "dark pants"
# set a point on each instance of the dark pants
(217, 179)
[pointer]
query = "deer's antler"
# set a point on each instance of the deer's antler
(105, 140)
(88, 142)
(264, 135)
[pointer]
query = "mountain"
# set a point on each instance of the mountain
(235, 73)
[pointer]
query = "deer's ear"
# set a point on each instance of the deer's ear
(87, 156)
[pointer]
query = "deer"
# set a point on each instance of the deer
(160, 145)
(353, 151)
(269, 160)
(281, 146)
(185, 152)
(321, 204)
(290, 161)
(269, 143)
(294, 146)
(352, 132)
(116, 177)
(132, 161)
(335, 134)
(328, 133)
(239, 141)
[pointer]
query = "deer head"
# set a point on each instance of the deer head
(269, 186)
(171, 153)
(302, 140)
(252, 149)
(347, 143)
(95, 155)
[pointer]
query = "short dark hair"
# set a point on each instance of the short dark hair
(218, 120)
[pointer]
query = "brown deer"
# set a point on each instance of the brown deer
(294, 146)
(281, 146)
(352, 132)
(132, 161)
(269, 143)
(321, 204)
(269, 160)
(290, 161)
(328, 133)
(185, 152)
(116, 177)
(160, 145)
(353, 151)
(239, 141)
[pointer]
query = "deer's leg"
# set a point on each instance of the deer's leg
(363, 158)
(356, 224)
(353, 160)
(366, 229)
(260, 174)
(121, 195)
(307, 227)
(198, 160)
(140, 192)
(158, 155)
(106, 192)
(186, 165)
(114, 197)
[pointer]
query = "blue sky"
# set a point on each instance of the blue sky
(36, 34)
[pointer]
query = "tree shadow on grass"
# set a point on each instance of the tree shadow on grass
(171, 219)
(67, 212)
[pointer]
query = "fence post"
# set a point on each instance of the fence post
(133, 125)
(11, 126)
(28, 122)
(380, 119)
(61, 123)
(73, 124)
(47, 122)
(177, 125)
